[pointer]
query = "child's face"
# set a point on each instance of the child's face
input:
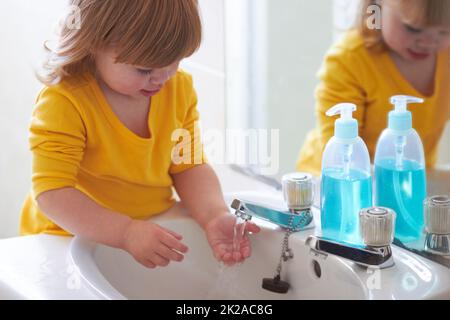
(129, 80)
(412, 42)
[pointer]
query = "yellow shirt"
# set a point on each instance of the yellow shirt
(352, 73)
(78, 141)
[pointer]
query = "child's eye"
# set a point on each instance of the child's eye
(412, 29)
(144, 71)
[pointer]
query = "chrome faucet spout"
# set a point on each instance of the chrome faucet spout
(296, 220)
(298, 195)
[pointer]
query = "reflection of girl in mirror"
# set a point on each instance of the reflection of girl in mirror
(409, 54)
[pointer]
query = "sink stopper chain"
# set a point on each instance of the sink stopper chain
(276, 284)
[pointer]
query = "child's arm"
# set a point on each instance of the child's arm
(78, 214)
(150, 244)
(200, 192)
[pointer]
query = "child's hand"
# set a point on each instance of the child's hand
(152, 245)
(220, 234)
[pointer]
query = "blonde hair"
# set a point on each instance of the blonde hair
(420, 12)
(148, 33)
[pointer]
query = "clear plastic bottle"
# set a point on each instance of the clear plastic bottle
(346, 179)
(400, 177)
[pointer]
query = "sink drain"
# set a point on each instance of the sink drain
(317, 270)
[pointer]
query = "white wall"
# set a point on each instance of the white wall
(24, 26)
(299, 34)
(208, 66)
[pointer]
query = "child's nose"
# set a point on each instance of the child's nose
(428, 41)
(160, 78)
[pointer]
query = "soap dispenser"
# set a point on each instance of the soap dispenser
(346, 186)
(400, 178)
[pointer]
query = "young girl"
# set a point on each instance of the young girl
(408, 55)
(101, 134)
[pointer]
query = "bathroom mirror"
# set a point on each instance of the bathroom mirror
(438, 183)
(273, 52)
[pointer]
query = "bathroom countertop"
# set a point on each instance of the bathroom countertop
(38, 267)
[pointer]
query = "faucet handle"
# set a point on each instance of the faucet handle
(298, 190)
(437, 215)
(377, 226)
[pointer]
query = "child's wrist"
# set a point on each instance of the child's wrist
(214, 214)
(125, 234)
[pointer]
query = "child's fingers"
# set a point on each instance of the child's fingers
(173, 233)
(169, 254)
(251, 227)
(149, 264)
(219, 252)
(237, 257)
(246, 252)
(227, 257)
(173, 243)
(146, 263)
(159, 261)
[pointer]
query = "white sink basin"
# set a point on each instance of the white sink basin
(8, 293)
(114, 274)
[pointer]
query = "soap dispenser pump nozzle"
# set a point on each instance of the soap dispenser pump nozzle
(346, 127)
(401, 102)
(400, 119)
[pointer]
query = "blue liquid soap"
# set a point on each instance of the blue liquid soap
(343, 196)
(403, 190)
